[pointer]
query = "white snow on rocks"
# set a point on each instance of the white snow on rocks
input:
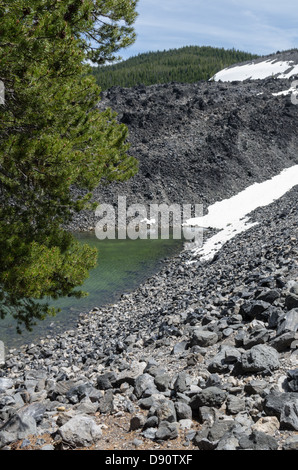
(258, 71)
(230, 216)
(290, 91)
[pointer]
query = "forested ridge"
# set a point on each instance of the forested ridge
(185, 65)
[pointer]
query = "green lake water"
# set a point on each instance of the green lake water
(122, 266)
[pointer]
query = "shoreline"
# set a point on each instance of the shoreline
(70, 312)
(203, 355)
(187, 338)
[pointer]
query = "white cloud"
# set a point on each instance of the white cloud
(262, 26)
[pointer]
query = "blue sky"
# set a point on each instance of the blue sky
(260, 27)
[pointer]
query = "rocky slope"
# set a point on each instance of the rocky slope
(202, 142)
(202, 355)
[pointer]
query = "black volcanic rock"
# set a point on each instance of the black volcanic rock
(214, 342)
(200, 142)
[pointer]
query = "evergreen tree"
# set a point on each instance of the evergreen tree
(53, 137)
(186, 65)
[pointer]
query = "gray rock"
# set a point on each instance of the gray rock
(292, 380)
(260, 358)
(47, 447)
(25, 444)
(239, 338)
(142, 383)
(80, 431)
(258, 441)
(289, 416)
(213, 380)
(185, 424)
(164, 410)
(183, 410)
(17, 428)
(274, 403)
(256, 387)
(183, 398)
(284, 341)
(64, 417)
(5, 384)
(291, 443)
(291, 301)
(61, 388)
(274, 315)
(81, 391)
(201, 441)
(228, 442)
(35, 380)
(7, 400)
(269, 295)
(106, 404)
(162, 382)
(225, 359)
(106, 381)
(149, 433)
(86, 406)
(210, 396)
(260, 336)
(293, 287)
(235, 405)
(146, 403)
(151, 366)
(137, 422)
(129, 375)
(254, 309)
(35, 410)
(151, 422)
(95, 395)
(207, 415)
(179, 348)
(219, 429)
(203, 338)
(288, 322)
(166, 431)
(180, 384)
(227, 332)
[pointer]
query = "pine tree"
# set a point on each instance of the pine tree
(187, 65)
(53, 137)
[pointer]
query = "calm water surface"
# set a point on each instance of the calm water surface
(122, 266)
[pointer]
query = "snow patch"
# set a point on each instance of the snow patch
(258, 71)
(290, 91)
(230, 216)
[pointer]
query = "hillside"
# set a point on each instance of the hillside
(201, 142)
(186, 65)
(203, 355)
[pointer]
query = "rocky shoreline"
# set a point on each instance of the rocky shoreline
(203, 355)
(199, 357)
